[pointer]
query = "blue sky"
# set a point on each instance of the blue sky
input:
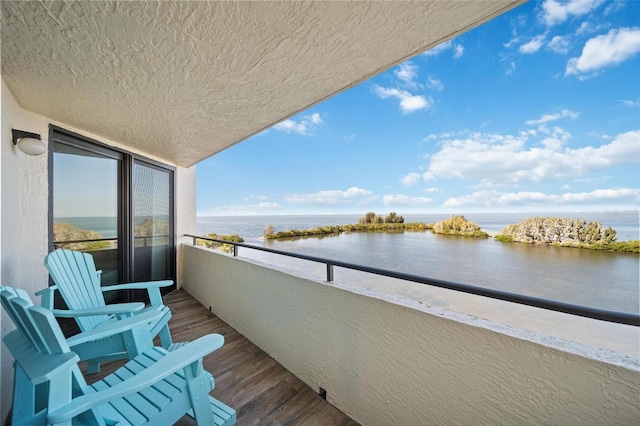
(537, 110)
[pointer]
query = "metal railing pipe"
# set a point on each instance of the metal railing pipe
(552, 305)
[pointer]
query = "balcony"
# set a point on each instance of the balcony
(388, 361)
(381, 360)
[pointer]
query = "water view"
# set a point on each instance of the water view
(599, 279)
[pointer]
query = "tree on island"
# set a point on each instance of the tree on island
(150, 227)
(227, 248)
(67, 232)
(459, 225)
(560, 231)
(393, 218)
(371, 217)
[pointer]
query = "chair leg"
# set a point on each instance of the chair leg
(165, 336)
(198, 389)
(24, 397)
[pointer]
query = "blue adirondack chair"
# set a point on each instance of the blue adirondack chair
(76, 278)
(156, 387)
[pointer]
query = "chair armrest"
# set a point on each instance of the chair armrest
(169, 364)
(116, 327)
(118, 308)
(47, 296)
(38, 367)
(46, 290)
(138, 286)
(152, 287)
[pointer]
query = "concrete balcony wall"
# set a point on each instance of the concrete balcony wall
(383, 363)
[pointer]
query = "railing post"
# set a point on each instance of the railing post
(235, 250)
(194, 240)
(329, 272)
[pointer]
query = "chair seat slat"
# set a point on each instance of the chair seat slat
(152, 395)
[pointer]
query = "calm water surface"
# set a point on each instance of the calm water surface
(591, 278)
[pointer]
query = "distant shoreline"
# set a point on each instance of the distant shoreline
(627, 246)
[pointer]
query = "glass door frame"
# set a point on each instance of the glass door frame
(125, 198)
(146, 162)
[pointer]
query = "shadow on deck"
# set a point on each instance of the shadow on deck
(247, 379)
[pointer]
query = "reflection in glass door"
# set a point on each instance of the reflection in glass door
(115, 205)
(86, 206)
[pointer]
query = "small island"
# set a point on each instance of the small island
(227, 248)
(562, 232)
(370, 222)
(459, 226)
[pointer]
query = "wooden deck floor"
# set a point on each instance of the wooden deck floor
(247, 379)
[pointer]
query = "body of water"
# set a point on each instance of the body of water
(591, 278)
(105, 226)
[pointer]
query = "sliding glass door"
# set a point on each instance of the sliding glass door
(152, 196)
(87, 206)
(114, 205)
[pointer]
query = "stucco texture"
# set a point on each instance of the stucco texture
(182, 80)
(382, 363)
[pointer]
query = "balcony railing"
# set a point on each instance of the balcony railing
(552, 305)
(139, 241)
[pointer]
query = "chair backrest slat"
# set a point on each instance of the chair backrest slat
(37, 325)
(5, 294)
(78, 282)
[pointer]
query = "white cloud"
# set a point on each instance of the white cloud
(534, 198)
(505, 159)
(428, 176)
(630, 103)
(547, 118)
(512, 42)
(511, 67)
(435, 84)
(533, 45)
(559, 44)
(590, 28)
(266, 205)
(432, 190)
(605, 50)
(556, 12)
(614, 7)
(458, 49)
(556, 139)
(407, 72)
(408, 102)
(255, 197)
(304, 126)
(405, 200)
(435, 51)
(315, 118)
(410, 179)
(330, 196)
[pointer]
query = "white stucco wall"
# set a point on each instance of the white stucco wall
(383, 363)
(23, 220)
(185, 211)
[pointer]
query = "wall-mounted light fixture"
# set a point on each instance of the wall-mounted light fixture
(27, 142)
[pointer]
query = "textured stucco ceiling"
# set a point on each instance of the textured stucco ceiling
(184, 80)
